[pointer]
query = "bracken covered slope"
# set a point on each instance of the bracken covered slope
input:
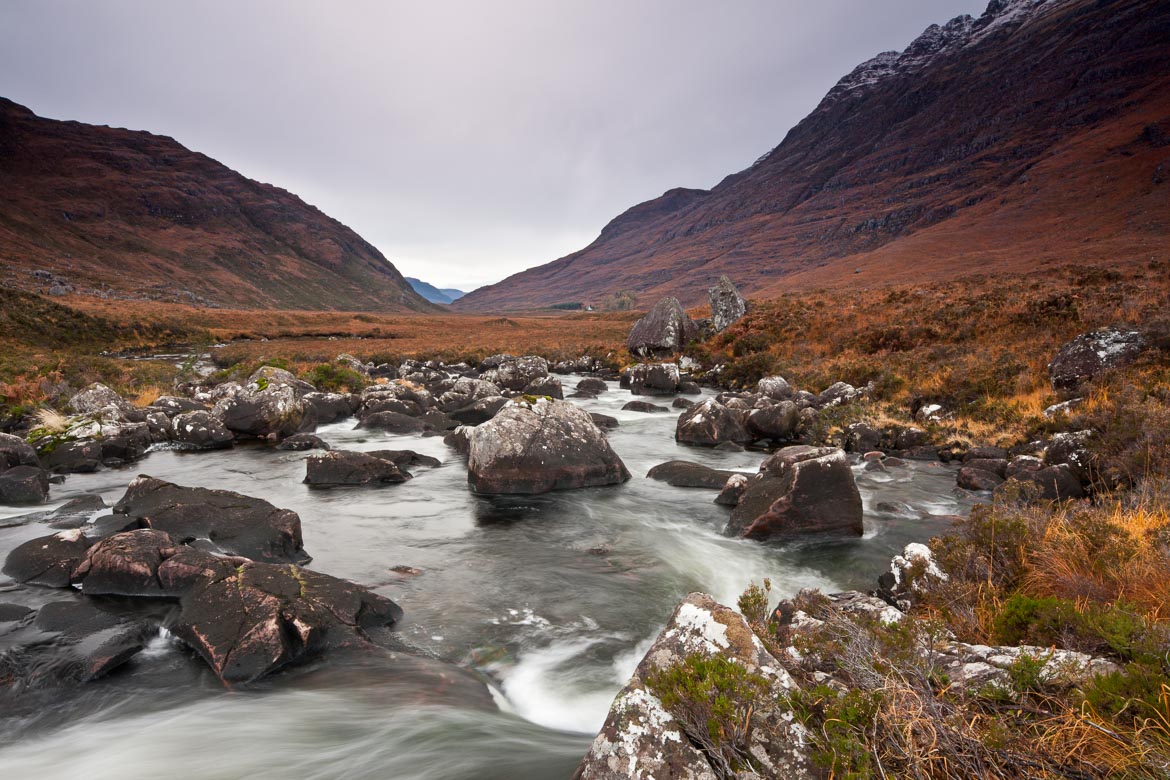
(138, 215)
(1037, 134)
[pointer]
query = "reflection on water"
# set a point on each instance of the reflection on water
(554, 597)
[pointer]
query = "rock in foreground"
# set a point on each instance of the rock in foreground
(536, 447)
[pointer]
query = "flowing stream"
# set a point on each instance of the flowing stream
(553, 598)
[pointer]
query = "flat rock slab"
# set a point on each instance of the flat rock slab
(682, 473)
(342, 468)
(219, 520)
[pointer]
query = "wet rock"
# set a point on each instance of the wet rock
(70, 643)
(341, 468)
(682, 403)
(997, 466)
(548, 386)
(538, 447)
(389, 404)
(800, 491)
(392, 422)
(513, 373)
(301, 442)
(15, 451)
(261, 617)
(732, 491)
(10, 613)
(159, 426)
(200, 431)
(265, 410)
(682, 473)
(24, 485)
(217, 520)
(592, 385)
(654, 379)
(47, 560)
(727, 305)
(459, 439)
(479, 412)
(689, 387)
(604, 421)
(709, 424)
(125, 443)
(328, 407)
(407, 458)
(126, 564)
(643, 406)
(862, 437)
(974, 478)
(666, 329)
(1092, 354)
(776, 423)
(641, 738)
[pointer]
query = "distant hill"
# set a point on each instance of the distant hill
(1033, 137)
(128, 214)
(435, 294)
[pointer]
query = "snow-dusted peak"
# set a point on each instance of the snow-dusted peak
(1001, 14)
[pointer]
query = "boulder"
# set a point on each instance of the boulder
(407, 458)
(643, 406)
(217, 520)
(265, 410)
(800, 491)
(682, 403)
(837, 394)
(604, 421)
(975, 478)
(642, 738)
(24, 485)
(200, 431)
(727, 305)
(271, 376)
(392, 422)
(125, 443)
(541, 446)
(776, 423)
(513, 373)
(47, 560)
(389, 404)
(328, 407)
(126, 564)
(171, 405)
(97, 397)
(301, 442)
(592, 385)
(252, 620)
(465, 392)
(479, 412)
(15, 451)
(710, 424)
(665, 330)
(682, 473)
(548, 386)
(733, 490)
(654, 379)
(341, 467)
(159, 426)
(775, 387)
(1092, 354)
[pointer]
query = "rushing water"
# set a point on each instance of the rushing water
(553, 598)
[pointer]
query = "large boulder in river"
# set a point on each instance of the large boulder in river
(47, 560)
(541, 446)
(683, 473)
(655, 379)
(727, 305)
(217, 520)
(265, 410)
(328, 407)
(643, 738)
(15, 451)
(465, 392)
(24, 485)
(253, 619)
(1092, 354)
(800, 491)
(666, 329)
(777, 422)
(125, 564)
(710, 424)
(338, 468)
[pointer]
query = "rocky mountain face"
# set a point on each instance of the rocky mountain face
(1035, 135)
(128, 214)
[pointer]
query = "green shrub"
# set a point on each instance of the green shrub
(333, 377)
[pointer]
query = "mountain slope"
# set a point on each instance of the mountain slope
(1036, 134)
(135, 215)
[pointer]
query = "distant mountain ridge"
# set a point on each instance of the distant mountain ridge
(130, 214)
(1031, 137)
(435, 294)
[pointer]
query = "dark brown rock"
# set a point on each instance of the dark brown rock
(339, 468)
(47, 560)
(682, 473)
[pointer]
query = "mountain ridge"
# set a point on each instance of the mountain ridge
(130, 214)
(913, 149)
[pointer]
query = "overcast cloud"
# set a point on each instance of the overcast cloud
(466, 140)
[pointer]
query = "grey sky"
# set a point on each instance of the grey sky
(466, 140)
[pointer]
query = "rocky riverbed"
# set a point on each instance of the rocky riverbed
(521, 615)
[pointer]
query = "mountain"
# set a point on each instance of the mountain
(133, 215)
(435, 294)
(1035, 136)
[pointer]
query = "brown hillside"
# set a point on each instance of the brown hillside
(100, 207)
(1036, 134)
